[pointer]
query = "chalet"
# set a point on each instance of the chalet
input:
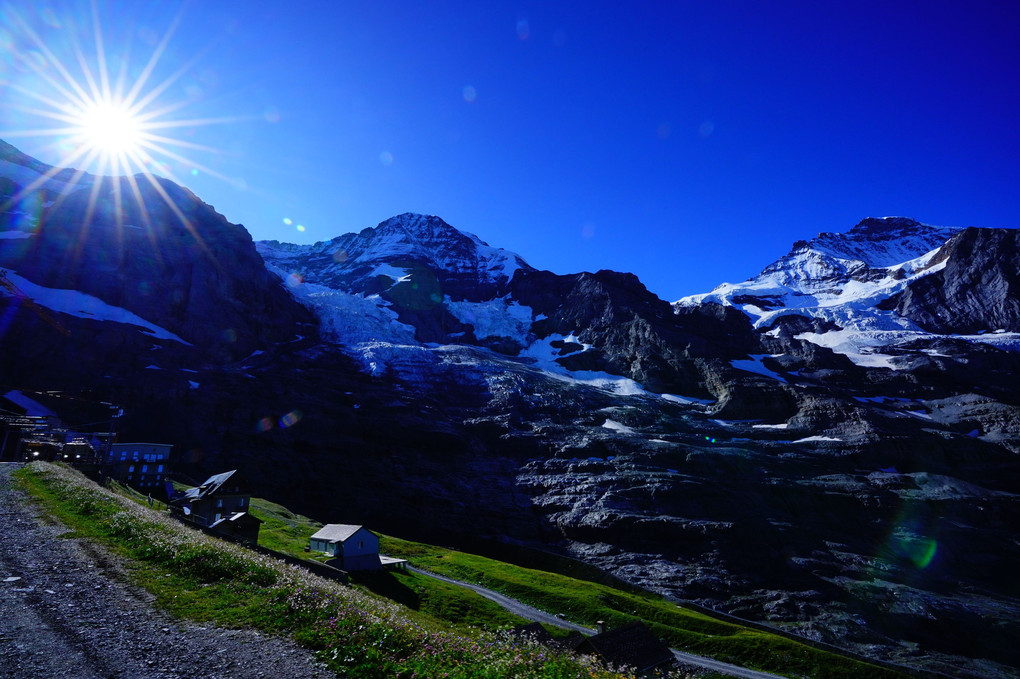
(221, 496)
(534, 632)
(633, 645)
(240, 525)
(139, 465)
(353, 548)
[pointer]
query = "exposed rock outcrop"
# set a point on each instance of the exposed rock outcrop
(977, 291)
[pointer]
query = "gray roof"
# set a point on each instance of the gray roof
(336, 532)
(211, 485)
(236, 517)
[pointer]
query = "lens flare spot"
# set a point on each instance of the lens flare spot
(290, 419)
(29, 61)
(706, 128)
(663, 131)
(923, 557)
(148, 36)
(50, 18)
(340, 256)
(523, 29)
(386, 158)
(287, 221)
(470, 93)
(194, 172)
(917, 549)
(301, 228)
(272, 114)
(264, 425)
(230, 335)
(294, 280)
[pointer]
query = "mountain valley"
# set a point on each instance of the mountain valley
(830, 446)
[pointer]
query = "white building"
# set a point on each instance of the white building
(354, 548)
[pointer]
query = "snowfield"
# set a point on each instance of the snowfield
(74, 303)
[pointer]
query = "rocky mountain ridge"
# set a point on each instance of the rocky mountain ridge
(415, 379)
(977, 291)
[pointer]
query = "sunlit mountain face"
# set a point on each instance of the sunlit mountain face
(727, 450)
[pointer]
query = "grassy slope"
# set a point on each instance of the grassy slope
(287, 532)
(199, 577)
(586, 602)
(581, 600)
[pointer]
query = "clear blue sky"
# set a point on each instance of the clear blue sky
(688, 142)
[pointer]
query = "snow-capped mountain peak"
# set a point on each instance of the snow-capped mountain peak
(880, 242)
(411, 279)
(411, 240)
(841, 279)
(833, 275)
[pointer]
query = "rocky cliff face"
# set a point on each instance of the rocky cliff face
(977, 290)
(783, 449)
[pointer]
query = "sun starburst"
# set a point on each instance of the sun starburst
(98, 119)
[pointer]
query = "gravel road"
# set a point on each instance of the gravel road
(67, 609)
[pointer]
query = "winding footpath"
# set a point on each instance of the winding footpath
(535, 615)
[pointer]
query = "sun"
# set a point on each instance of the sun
(118, 124)
(105, 110)
(109, 128)
(112, 111)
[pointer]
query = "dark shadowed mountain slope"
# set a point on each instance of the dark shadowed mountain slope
(150, 248)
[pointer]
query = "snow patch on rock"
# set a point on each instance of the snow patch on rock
(500, 317)
(75, 303)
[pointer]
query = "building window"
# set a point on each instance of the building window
(160, 468)
(145, 468)
(219, 503)
(131, 469)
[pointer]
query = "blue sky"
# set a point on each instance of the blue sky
(688, 142)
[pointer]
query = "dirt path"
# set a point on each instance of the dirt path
(66, 609)
(513, 605)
